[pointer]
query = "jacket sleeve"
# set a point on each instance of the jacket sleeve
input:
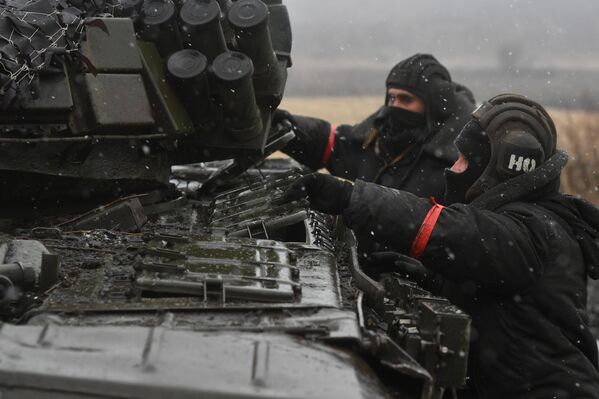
(500, 251)
(312, 141)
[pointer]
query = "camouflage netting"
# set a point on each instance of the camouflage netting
(35, 35)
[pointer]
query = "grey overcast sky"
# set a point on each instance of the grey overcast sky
(542, 32)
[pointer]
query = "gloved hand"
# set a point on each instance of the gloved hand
(402, 264)
(312, 136)
(281, 115)
(326, 193)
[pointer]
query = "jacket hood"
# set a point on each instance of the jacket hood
(539, 183)
(441, 144)
(541, 187)
(583, 218)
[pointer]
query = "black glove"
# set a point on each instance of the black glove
(402, 264)
(280, 115)
(326, 193)
(311, 137)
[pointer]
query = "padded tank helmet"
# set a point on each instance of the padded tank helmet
(424, 76)
(521, 135)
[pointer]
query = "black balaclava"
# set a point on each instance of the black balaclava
(475, 146)
(397, 129)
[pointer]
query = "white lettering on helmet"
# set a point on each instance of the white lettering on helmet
(521, 164)
(515, 163)
(530, 166)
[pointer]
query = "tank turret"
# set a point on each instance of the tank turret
(198, 280)
(127, 89)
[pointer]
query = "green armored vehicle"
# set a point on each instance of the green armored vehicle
(146, 250)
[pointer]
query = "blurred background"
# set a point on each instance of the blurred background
(547, 50)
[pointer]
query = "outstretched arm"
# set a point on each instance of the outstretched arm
(314, 139)
(500, 251)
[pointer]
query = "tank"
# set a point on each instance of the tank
(146, 248)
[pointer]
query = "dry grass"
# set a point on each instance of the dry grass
(576, 134)
(336, 110)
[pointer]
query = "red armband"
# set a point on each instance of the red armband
(330, 147)
(426, 229)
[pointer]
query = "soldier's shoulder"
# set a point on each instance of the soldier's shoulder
(359, 132)
(441, 144)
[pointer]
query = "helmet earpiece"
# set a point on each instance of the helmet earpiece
(522, 137)
(518, 152)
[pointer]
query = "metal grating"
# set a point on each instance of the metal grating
(222, 271)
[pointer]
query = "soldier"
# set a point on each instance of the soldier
(406, 144)
(515, 251)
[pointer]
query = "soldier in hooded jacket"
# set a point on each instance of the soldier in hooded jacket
(406, 144)
(515, 253)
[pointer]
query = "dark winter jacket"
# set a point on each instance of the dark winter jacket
(346, 152)
(517, 259)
